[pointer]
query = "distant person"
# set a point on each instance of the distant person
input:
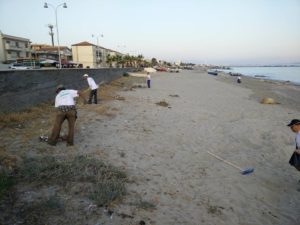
(93, 86)
(65, 104)
(239, 80)
(295, 158)
(148, 80)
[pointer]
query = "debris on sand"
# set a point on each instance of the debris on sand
(43, 138)
(118, 97)
(175, 96)
(138, 85)
(127, 89)
(162, 103)
(268, 101)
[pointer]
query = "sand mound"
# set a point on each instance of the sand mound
(268, 101)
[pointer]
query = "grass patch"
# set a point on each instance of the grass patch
(214, 209)
(108, 191)
(108, 182)
(13, 118)
(43, 211)
(6, 182)
(146, 205)
(74, 179)
(162, 103)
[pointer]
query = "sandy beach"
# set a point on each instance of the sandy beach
(163, 150)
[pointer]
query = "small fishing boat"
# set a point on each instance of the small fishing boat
(215, 73)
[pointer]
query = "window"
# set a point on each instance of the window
(17, 44)
(7, 42)
(98, 54)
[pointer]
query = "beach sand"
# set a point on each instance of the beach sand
(163, 149)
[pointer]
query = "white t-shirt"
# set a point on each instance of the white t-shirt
(65, 97)
(148, 77)
(92, 83)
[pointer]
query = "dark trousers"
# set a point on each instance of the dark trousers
(93, 93)
(59, 119)
(148, 83)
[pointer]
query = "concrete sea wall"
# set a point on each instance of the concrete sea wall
(21, 89)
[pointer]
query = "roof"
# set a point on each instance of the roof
(53, 48)
(14, 37)
(84, 43)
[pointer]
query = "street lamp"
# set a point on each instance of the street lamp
(55, 10)
(97, 49)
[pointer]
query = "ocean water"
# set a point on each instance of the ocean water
(291, 74)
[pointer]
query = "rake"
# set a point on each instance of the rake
(242, 171)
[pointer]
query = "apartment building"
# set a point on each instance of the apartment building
(43, 52)
(13, 48)
(90, 55)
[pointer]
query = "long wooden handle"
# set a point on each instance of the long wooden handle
(225, 161)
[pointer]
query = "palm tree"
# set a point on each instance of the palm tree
(119, 60)
(153, 61)
(127, 60)
(110, 60)
(140, 59)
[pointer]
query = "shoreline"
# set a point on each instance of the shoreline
(261, 76)
(284, 92)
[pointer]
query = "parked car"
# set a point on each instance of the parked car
(48, 63)
(71, 64)
(18, 66)
(173, 70)
(161, 69)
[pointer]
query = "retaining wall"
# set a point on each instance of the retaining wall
(26, 88)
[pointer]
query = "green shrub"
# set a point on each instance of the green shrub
(6, 182)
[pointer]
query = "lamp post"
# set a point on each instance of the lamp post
(97, 49)
(56, 24)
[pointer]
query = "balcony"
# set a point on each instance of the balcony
(16, 48)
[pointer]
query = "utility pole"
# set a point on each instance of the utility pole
(51, 33)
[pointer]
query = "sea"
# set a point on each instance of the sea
(285, 73)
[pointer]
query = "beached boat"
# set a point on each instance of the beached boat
(215, 73)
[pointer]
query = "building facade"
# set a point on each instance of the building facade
(90, 55)
(13, 48)
(44, 52)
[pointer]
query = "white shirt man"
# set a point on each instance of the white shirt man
(65, 97)
(65, 103)
(148, 80)
(93, 86)
(92, 83)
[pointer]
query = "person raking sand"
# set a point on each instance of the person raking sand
(64, 102)
(93, 86)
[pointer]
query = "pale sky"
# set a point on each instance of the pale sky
(199, 31)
